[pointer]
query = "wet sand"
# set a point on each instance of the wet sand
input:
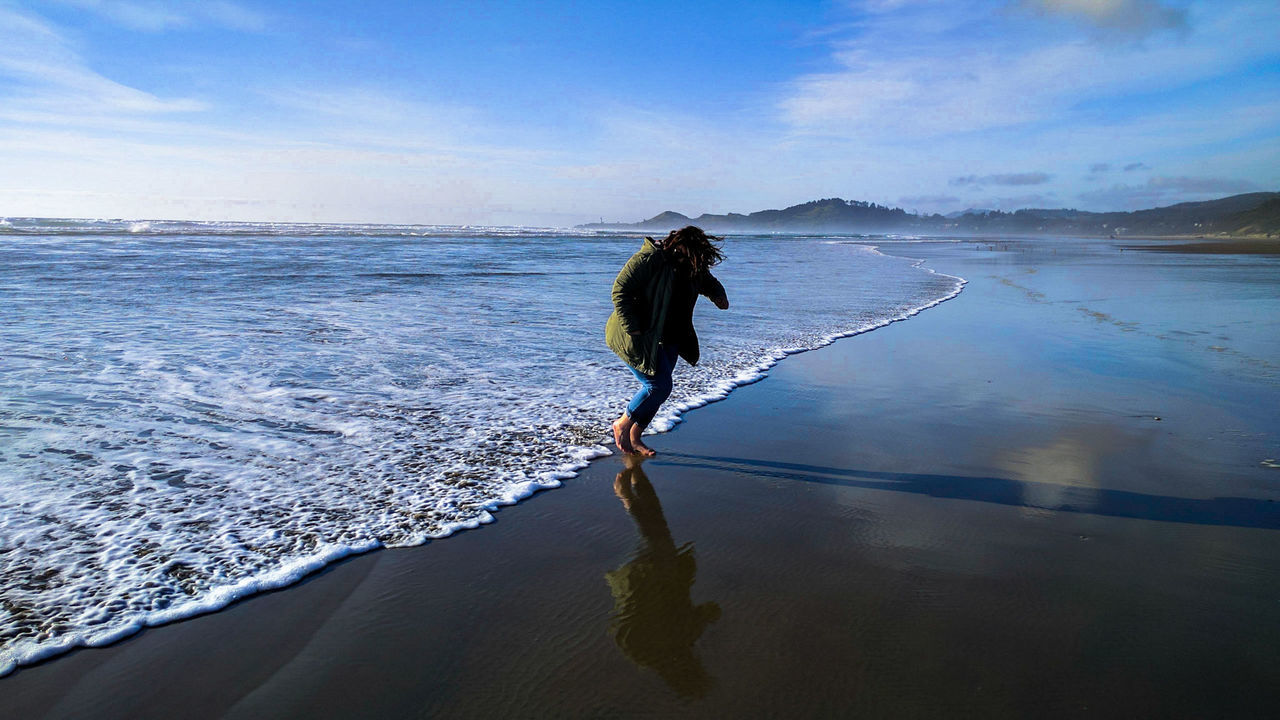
(1031, 501)
(1229, 247)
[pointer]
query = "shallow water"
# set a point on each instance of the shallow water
(191, 412)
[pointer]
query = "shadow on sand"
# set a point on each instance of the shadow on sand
(1228, 511)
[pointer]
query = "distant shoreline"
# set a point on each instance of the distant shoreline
(1246, 215)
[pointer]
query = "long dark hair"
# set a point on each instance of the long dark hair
(692, 250)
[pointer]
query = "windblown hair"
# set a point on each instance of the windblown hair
(692, 249)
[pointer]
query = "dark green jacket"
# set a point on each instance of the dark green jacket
(642, 308)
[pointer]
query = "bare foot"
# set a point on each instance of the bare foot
(638, 444)
(622, 435)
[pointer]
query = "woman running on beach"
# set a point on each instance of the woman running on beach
(652, 320)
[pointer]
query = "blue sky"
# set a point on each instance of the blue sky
(556, 113)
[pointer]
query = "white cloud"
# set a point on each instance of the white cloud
(158, 16)
(232, 16)
(968, 70)
(49, 76)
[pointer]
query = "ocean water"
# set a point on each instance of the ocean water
(193, 412)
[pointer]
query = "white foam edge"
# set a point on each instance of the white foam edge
(30, 652)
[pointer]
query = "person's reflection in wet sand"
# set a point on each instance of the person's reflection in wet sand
(655, 621)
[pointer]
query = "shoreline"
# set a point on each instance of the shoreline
(927, 519)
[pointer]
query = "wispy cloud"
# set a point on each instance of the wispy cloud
(969, 69)
(369, 116)
(157, 16)
(968, 86)
(81, 140)
(49, 75)
(1026, 178)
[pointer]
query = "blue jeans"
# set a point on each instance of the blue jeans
(654, 389)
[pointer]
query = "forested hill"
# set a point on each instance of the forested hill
(1252, 214)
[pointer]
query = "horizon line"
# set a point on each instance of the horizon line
(5, 218)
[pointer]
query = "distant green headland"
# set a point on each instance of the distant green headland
(1248, 215)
